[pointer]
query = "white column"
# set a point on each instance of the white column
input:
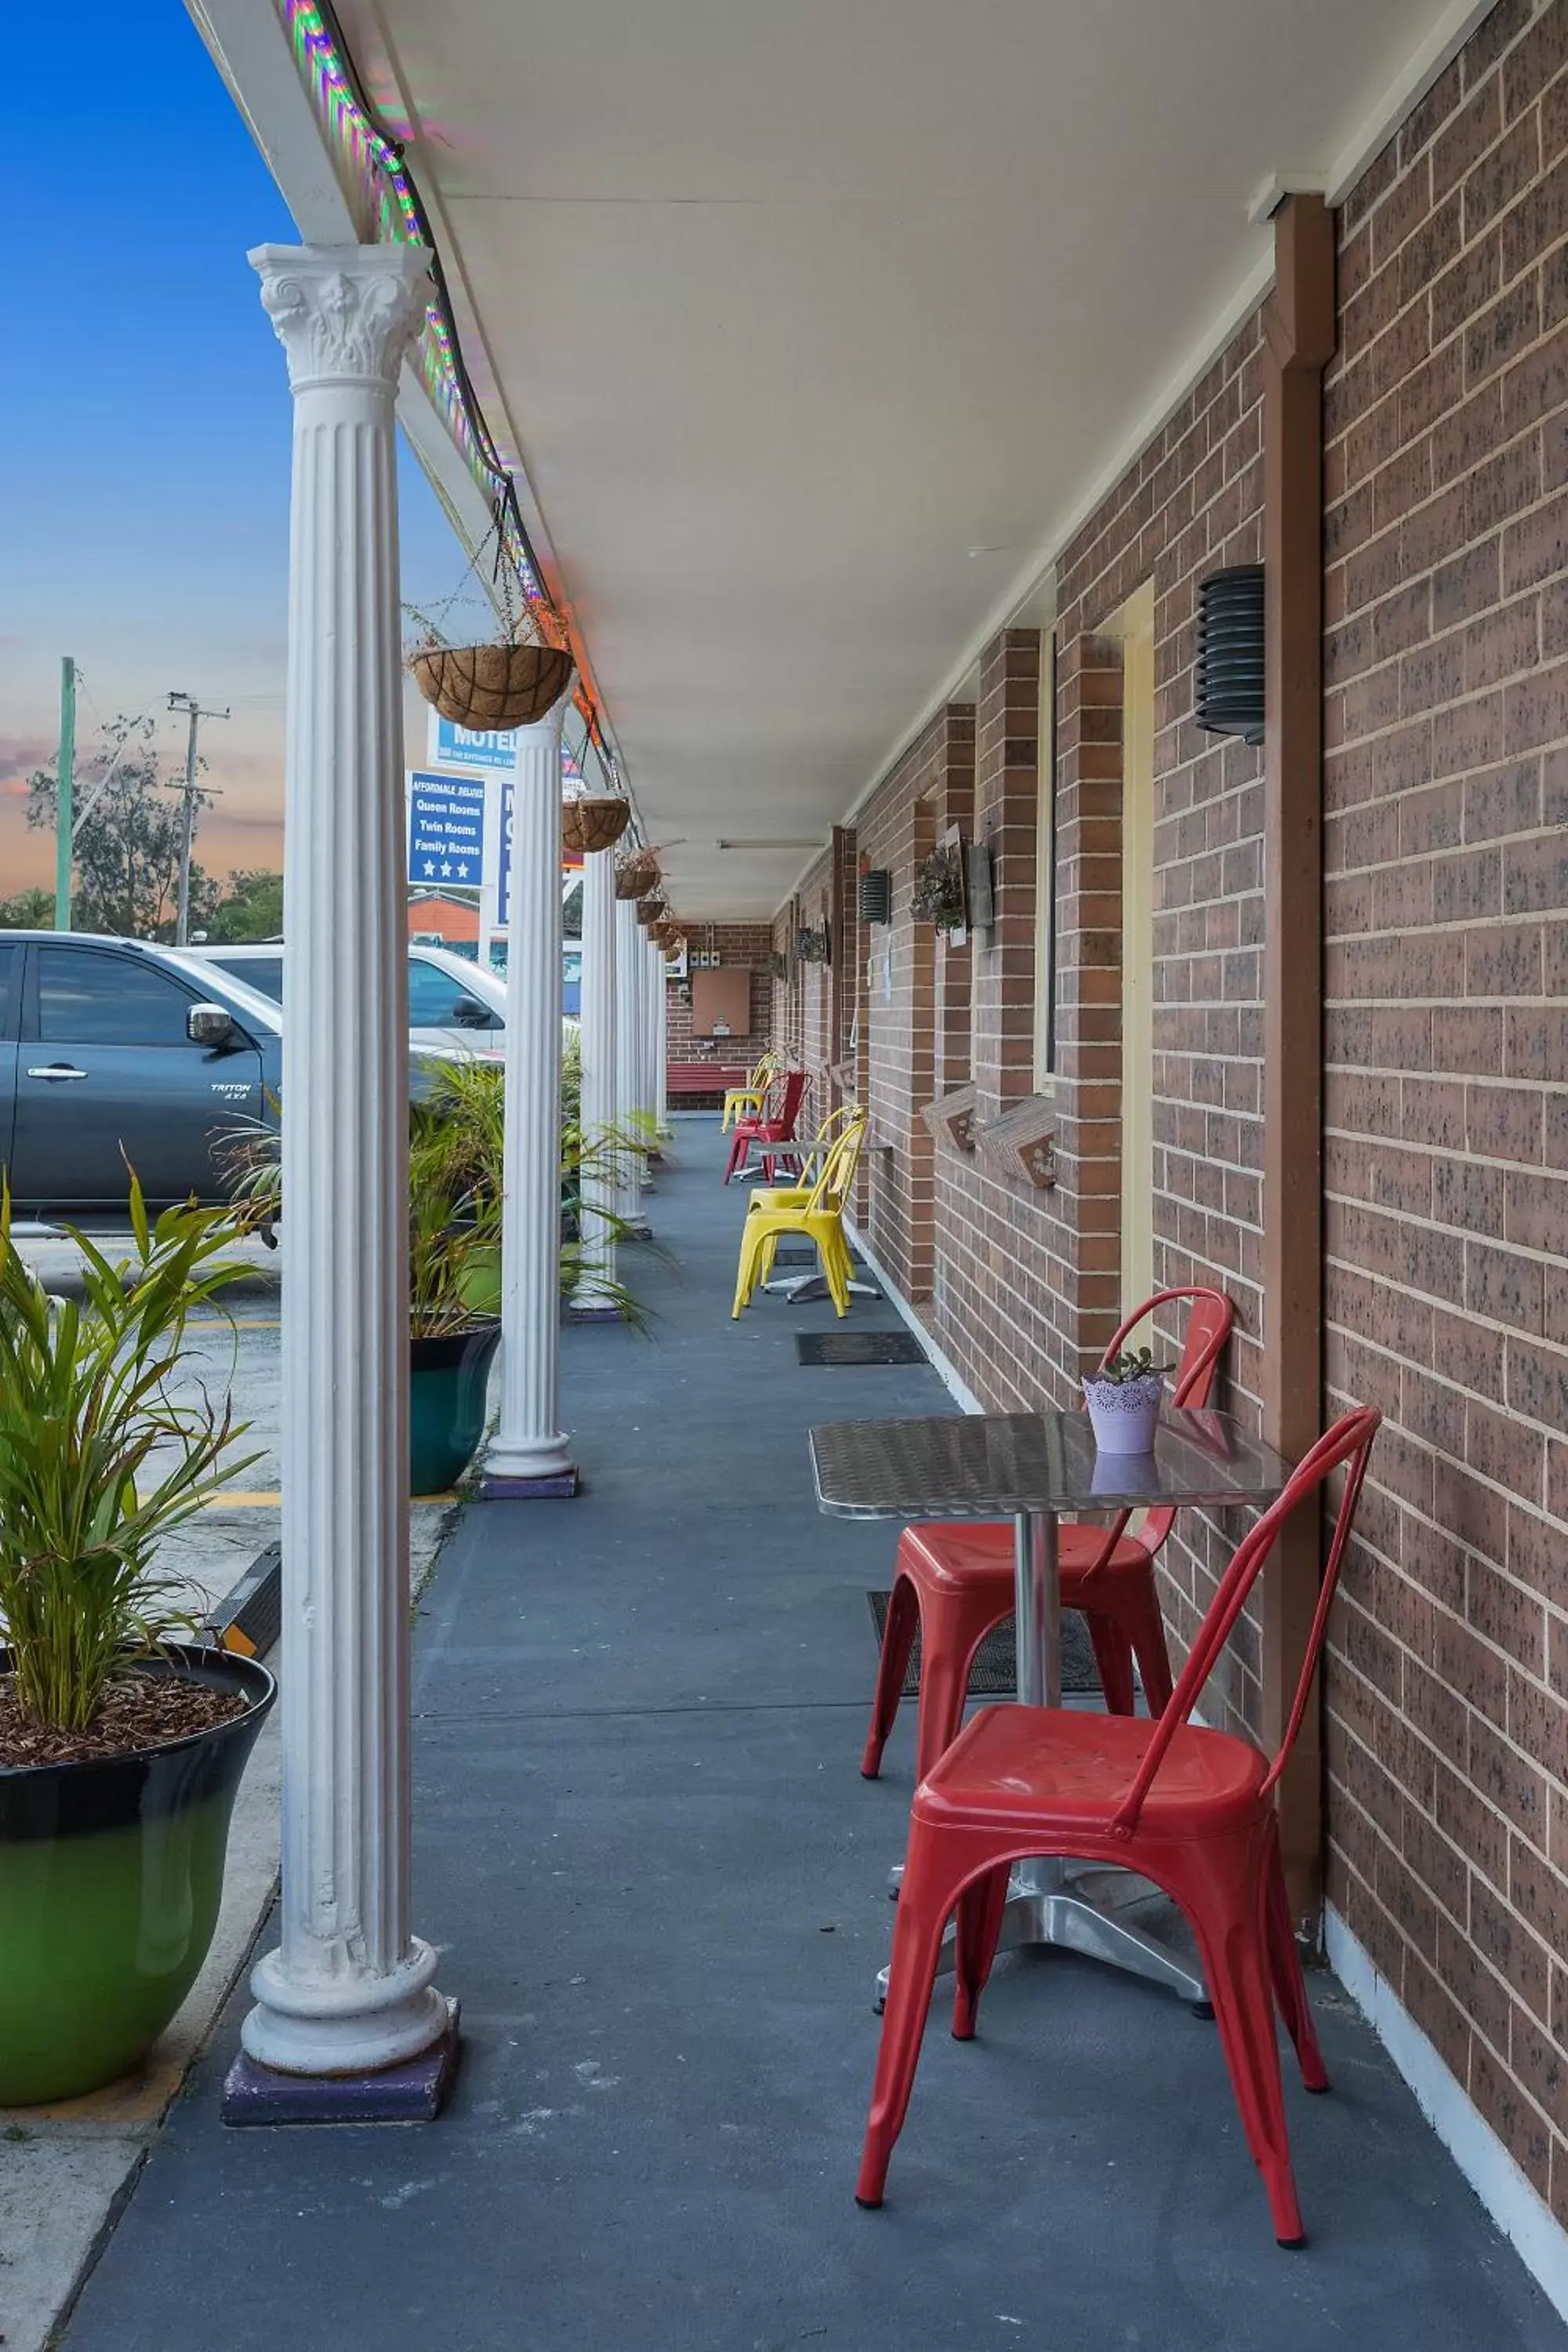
(598, 1043)
(529, 1443)
(654, 982)
(661, 1052)
(350, 1989)
(629, 965)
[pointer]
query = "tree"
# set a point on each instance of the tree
(30, 910)
(251, 907)
(127, 854)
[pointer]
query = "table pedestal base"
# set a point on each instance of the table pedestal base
(1051, 1905)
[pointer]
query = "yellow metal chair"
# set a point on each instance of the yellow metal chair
(738, 1100)
(780, 1196)
(820, 1215)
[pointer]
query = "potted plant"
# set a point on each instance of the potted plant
(594, 821)
(1123, 1400)
(938, 895)
(509, 681)
(120, 1744)
(636, 873)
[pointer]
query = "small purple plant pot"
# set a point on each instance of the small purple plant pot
(1125, 1413)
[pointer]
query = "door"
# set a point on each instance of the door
(106, 1075)
(1138, 952)
(445, 1015)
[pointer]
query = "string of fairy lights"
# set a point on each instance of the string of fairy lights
(375, 168)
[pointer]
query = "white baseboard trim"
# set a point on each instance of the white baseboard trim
(962, 1394)
(1522, 2216)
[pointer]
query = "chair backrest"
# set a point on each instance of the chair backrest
(1209, 1319)
(790, 1100)
(835, 1118)
(832, 1188)
(1349, 1441)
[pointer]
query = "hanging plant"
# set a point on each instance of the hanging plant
(594, 821)
(938, 895)
(637, 872)
(651, 908)
(813, 946)
(509, 681)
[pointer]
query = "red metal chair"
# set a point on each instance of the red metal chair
(1191, 1808)
(954, 1580)
(768, 1125)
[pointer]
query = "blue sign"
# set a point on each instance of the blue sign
(474, 747)
(446, 829)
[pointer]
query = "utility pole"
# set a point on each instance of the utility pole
(187, 702)
(65, 772)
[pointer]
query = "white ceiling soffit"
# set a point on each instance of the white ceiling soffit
(812, 326)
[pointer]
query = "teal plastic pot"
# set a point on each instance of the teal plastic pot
(447, 1405)
(110, 1874)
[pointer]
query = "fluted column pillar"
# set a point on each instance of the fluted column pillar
(661, 1051)
(349, 1993)
(629, 966)
(530, 1454)
(598, 1033)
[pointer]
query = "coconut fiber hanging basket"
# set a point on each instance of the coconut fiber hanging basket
(637, 874)
(652, 908)
(593, 823)
(486, 686)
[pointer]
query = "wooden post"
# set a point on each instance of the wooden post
(1299, 329)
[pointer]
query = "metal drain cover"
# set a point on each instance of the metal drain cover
(859, 1347)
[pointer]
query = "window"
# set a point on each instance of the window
(264, 973)
(435, 997)
(85, 998)
(10, 968)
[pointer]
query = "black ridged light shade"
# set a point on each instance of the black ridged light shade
(1230, 652)
(875, 895)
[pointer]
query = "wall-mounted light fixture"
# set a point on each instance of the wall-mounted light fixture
(1230, 700)
(875, 895)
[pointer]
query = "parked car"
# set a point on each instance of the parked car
(455, 1007)
(113, 1050)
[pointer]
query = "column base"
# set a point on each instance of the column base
(502, 1486)
(413, 2092)
(593, 1314)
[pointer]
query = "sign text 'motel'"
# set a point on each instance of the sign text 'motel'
(492, 748)
(446, 829)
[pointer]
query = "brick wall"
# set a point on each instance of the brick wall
(1446, 793)
(747, 944)
(1446, 1037)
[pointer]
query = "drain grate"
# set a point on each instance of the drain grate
(859, 1347)
(995, 1672)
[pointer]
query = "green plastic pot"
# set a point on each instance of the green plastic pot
(447, 1386)
(110, 1874)
(478, 1285)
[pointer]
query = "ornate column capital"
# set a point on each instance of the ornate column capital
(343, 314)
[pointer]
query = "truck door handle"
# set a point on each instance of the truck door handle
(57, 1070)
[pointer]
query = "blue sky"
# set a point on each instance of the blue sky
(144, 454)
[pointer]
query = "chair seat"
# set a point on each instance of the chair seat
(1056, 1770)
(964, 1553)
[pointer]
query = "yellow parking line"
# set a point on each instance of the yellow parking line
(244, 1498)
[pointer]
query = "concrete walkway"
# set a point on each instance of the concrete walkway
(658, 1880)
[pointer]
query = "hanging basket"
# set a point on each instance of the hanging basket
(636, 876)
(593, 823)
(486, 686)
(652, 908)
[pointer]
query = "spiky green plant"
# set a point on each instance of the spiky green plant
(85, 1408)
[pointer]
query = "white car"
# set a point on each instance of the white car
(455, 1008)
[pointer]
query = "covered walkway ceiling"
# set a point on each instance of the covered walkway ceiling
(813, 323)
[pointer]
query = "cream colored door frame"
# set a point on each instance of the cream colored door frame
(1134, 625)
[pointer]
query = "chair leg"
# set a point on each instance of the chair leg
(945, 1662)
(746, 1275)
(923, 1906)
(980, 1909)
(898, 1640)
(1113, 1656)
(737, 1152)
(1289, 1985)
(1237, 1966)
(1143, 1626)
